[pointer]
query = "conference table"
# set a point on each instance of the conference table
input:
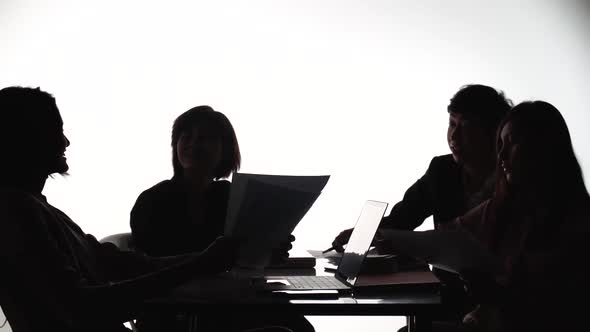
(412, 294)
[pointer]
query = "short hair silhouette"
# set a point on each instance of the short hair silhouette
(206, 116)
(548, 144)
(29, 119)
(481, 101)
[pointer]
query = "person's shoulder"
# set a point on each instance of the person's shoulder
(160, 198)
(165, 185)
(445, 160)
(221, 185)
(220, 188)
(162, 188)
(444, 166)
(21, 212)
(18, 199)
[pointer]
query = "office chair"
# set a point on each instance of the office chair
(123, 241)
(3, 322)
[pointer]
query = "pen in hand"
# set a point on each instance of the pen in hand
(328, 250)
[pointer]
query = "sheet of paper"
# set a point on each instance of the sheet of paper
(334, 257)
(451, 250)
(329, 254)
(285, 184)
(264, 210)
(315, 183)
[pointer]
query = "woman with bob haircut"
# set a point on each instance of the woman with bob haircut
(187, 212)
(54, 276)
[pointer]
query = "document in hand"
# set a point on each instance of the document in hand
(451, 250)
(263, 210)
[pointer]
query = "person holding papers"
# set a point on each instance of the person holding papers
(187, 212)
(54, 276)
(184, 214)
(536, 227)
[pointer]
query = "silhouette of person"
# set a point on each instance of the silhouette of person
(187, 212)
(54, 276)
(536, 224)
(456, 182)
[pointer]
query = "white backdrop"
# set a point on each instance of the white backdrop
(355, 89)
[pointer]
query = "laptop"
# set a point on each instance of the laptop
(350, 265)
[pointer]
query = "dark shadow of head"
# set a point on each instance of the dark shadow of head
(481, 102)
(31, 136)
(216, 122)
(474, 114)
(549, 167)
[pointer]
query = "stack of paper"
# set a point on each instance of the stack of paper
(263, 210)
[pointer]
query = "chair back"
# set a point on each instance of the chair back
(123, 241)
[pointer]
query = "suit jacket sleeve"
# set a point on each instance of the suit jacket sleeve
(416, 205)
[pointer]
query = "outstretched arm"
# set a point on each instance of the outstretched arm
(41, 267)
(407, 214)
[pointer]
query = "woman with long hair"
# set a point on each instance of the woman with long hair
(530, 238)
(537, 224)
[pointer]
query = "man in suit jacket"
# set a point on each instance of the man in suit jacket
(456, 182)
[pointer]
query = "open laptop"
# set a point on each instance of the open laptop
(350, 265)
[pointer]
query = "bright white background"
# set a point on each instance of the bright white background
(354, 89)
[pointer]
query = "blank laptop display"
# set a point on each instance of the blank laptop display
(352, 259)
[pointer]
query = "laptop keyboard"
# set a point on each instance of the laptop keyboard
(315, 282)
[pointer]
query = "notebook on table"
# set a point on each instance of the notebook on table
(350, 265)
